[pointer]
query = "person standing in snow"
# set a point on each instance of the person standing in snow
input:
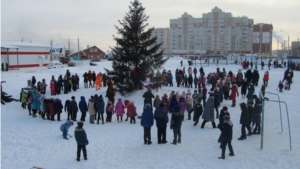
(226, 134)
(83, 108)
(91, 109)
(82, 141)
(161, 119)
(208, 114)
(147, 123)
(176, 121)
(65, 127)
(244, 120)
(73, 108)
(197, 112)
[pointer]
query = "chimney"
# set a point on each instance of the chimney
(88, 46)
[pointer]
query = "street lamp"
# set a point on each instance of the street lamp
(288, 41)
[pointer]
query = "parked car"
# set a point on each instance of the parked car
(72, 63)
(64, 60)
(55, 64)
(95, 60)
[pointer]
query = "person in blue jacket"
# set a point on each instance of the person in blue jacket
(65, 127)
(81, 139)
(83, 108)
(100, 105)
(147, 123)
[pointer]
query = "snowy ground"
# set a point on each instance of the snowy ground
(28, 141)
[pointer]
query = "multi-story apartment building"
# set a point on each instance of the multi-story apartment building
(262, 38)
(162, 35)
(216, 32)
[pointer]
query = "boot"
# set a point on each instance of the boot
(231, 154)
(174, 142)
(202, 125)
(214, 125)
(78, 159)
(222, 157)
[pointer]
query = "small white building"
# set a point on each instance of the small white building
(58, 51)
(24, 54)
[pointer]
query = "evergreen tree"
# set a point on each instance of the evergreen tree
(137, 54)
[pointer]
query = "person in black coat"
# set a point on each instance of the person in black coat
(68, 74)
(33, 81)
(74, 108)
(161, 119)
(262, 65)
(85, 80)
(226, 134)
(216, 101)
(148, 98)
(244, 120)
(190, 80)
(257, 116)
(82, 141)
(176, 121)
(198, 110)
(68, 109)
(104, 79)
(83, 108)
(58, 108)
(244, 88)
(251, 112)
(249, 76)
(224, 112)
(255, 77)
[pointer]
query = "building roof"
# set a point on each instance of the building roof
(23, 44)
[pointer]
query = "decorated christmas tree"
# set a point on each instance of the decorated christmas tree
(137, 54)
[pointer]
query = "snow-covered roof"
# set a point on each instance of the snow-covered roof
(8, 46)
(19, 44)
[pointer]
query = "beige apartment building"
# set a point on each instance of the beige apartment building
(217, 32)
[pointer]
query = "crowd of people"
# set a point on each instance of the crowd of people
(202, 102)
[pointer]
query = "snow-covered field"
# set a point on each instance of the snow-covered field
(28, 142)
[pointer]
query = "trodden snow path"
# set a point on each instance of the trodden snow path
(28, 142)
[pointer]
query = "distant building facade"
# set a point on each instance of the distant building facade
(216, 32)
(162, 35)
(262, 38)
(295, 48)
(88, 53)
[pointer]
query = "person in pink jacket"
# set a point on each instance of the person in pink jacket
(120, 109)
(182, 104)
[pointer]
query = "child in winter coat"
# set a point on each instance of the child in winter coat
(68, 109)
(23, 99)
(287, 85)
(156, 102)
(91, 109)
(189, 103)
(197, 109)
(120, 110)
(234, 93)
(165, 101)
(257, 116)
(132, 113)
(182, 104)
(226, 134)
(65, 127)
(266, 78)
(109, 111)
(195, 97)
(126, 103)
(280, 86)
(176, 121)
(58, 107)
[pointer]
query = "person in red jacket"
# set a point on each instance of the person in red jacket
(234, 92)
(90, 78)
(266, 78)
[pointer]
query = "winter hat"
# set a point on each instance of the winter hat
(165, 95)
(80, 124)
(157, 95)
(149, 89)
(195, 91)
(73, 97)
(226, 117)
(161, 105)
(176, 108)
(225, 108)
(172, 92)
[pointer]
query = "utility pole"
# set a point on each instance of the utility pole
(69, 44)
(51, 50)
(78, 48)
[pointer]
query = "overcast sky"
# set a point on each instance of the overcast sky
(92, 21)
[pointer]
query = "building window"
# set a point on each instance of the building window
(91, 49)
(95, 49)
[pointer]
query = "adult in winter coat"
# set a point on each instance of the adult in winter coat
(216, 101)
(91, 109)
(67, 109)
(197, 109)
(165, 101)
(148, 98)
(42, 106)
(266, 78)
(249, 76)
(170, 79)
(98, 81)
(82, 141)
(223, 112)
(85, 80)
(52, 88)
(204, 92)
(90, 78)
(100, 106)
(65, 127)
(190, 81)
(226, 134)
(251, 112)
(195, 71)
(147, 123)
(239, 77)
(173, 103)
(68, 74)
(208, 114)
(58, 107)
(234, 93)
(43, 86)
(250, 93)
(244, 88)
(83, 108)
(33, 81)
(111, 91)
(120, 110)
(189, 103)
(74, 108)
(255, 78)
(161, 119)
(262, 65)
(257, 116)
(244, 120)
(176, 121)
